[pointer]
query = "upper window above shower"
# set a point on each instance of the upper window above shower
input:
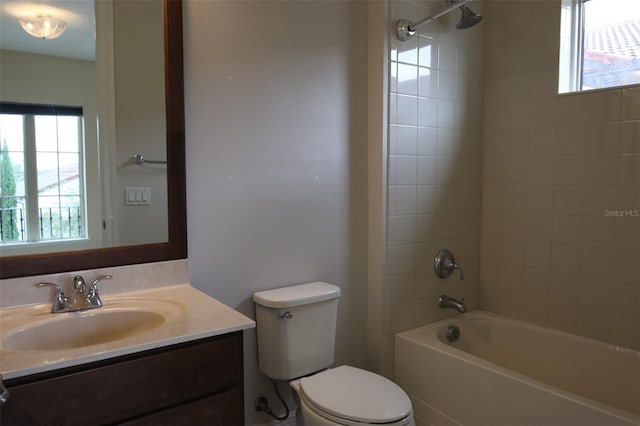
(599, 44)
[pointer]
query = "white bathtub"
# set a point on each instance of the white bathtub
(507, 372)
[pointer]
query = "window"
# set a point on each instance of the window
(599, 45)
(42, 189)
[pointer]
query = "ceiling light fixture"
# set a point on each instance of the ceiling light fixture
(45, 27)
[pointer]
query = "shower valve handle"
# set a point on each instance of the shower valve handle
(445, 263)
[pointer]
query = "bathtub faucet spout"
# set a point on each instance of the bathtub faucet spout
(449, 302)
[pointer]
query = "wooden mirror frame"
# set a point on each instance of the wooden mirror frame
(176, 247)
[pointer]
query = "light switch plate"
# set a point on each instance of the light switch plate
(140, 196)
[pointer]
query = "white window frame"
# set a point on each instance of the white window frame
(571, 46)
(31, 192)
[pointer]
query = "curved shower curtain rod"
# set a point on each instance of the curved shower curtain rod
(407, 29)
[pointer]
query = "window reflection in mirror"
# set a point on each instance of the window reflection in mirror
(40, 161)
(45, 102)
(117, 82)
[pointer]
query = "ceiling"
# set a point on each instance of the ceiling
(77, 42)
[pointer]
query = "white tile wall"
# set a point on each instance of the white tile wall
(550, 183)
(561, 186)
(434, 162)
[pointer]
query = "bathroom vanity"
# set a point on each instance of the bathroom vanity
(186, 369)
(198, 382)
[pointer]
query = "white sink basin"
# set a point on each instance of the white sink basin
(39, 330)
(92, 328)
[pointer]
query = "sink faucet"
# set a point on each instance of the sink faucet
(449, 302)
(80, 301)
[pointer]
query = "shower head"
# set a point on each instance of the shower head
(468, 18)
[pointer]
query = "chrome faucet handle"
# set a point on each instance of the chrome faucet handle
(445, 263)
(79, 285)
(94, 285)
(93, 298)
(60, 301)
(453, 265)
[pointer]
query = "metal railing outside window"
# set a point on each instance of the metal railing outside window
(55, 223)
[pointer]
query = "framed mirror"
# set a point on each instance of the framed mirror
(174, 236)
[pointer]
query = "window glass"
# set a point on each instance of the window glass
(46, 133)
(68, 128)
(611, 52)
(12, 131)
(69, 178)
(599, 44)
(41, 155)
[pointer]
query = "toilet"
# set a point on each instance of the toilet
(296, 329)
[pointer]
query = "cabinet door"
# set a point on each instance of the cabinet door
(129, 387)
(225, 409)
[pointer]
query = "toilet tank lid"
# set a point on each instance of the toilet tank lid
(296, 295)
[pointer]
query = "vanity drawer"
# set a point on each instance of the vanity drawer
(129, 387)
(223, 409)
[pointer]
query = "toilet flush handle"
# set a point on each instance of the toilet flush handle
(286, 316)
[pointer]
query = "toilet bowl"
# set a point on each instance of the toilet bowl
(296, 329)
(351, 396)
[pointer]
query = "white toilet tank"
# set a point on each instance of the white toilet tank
(296, 329)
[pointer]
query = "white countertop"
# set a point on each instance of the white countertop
(190, 315)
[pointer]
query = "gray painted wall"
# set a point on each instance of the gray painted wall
(276, 110)
(140, 120)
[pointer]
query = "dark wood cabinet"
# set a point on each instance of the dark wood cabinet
(199, 382)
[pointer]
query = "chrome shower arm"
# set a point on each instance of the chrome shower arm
(454, 6)
(406, 29)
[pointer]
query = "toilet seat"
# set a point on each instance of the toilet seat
(349, 395)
